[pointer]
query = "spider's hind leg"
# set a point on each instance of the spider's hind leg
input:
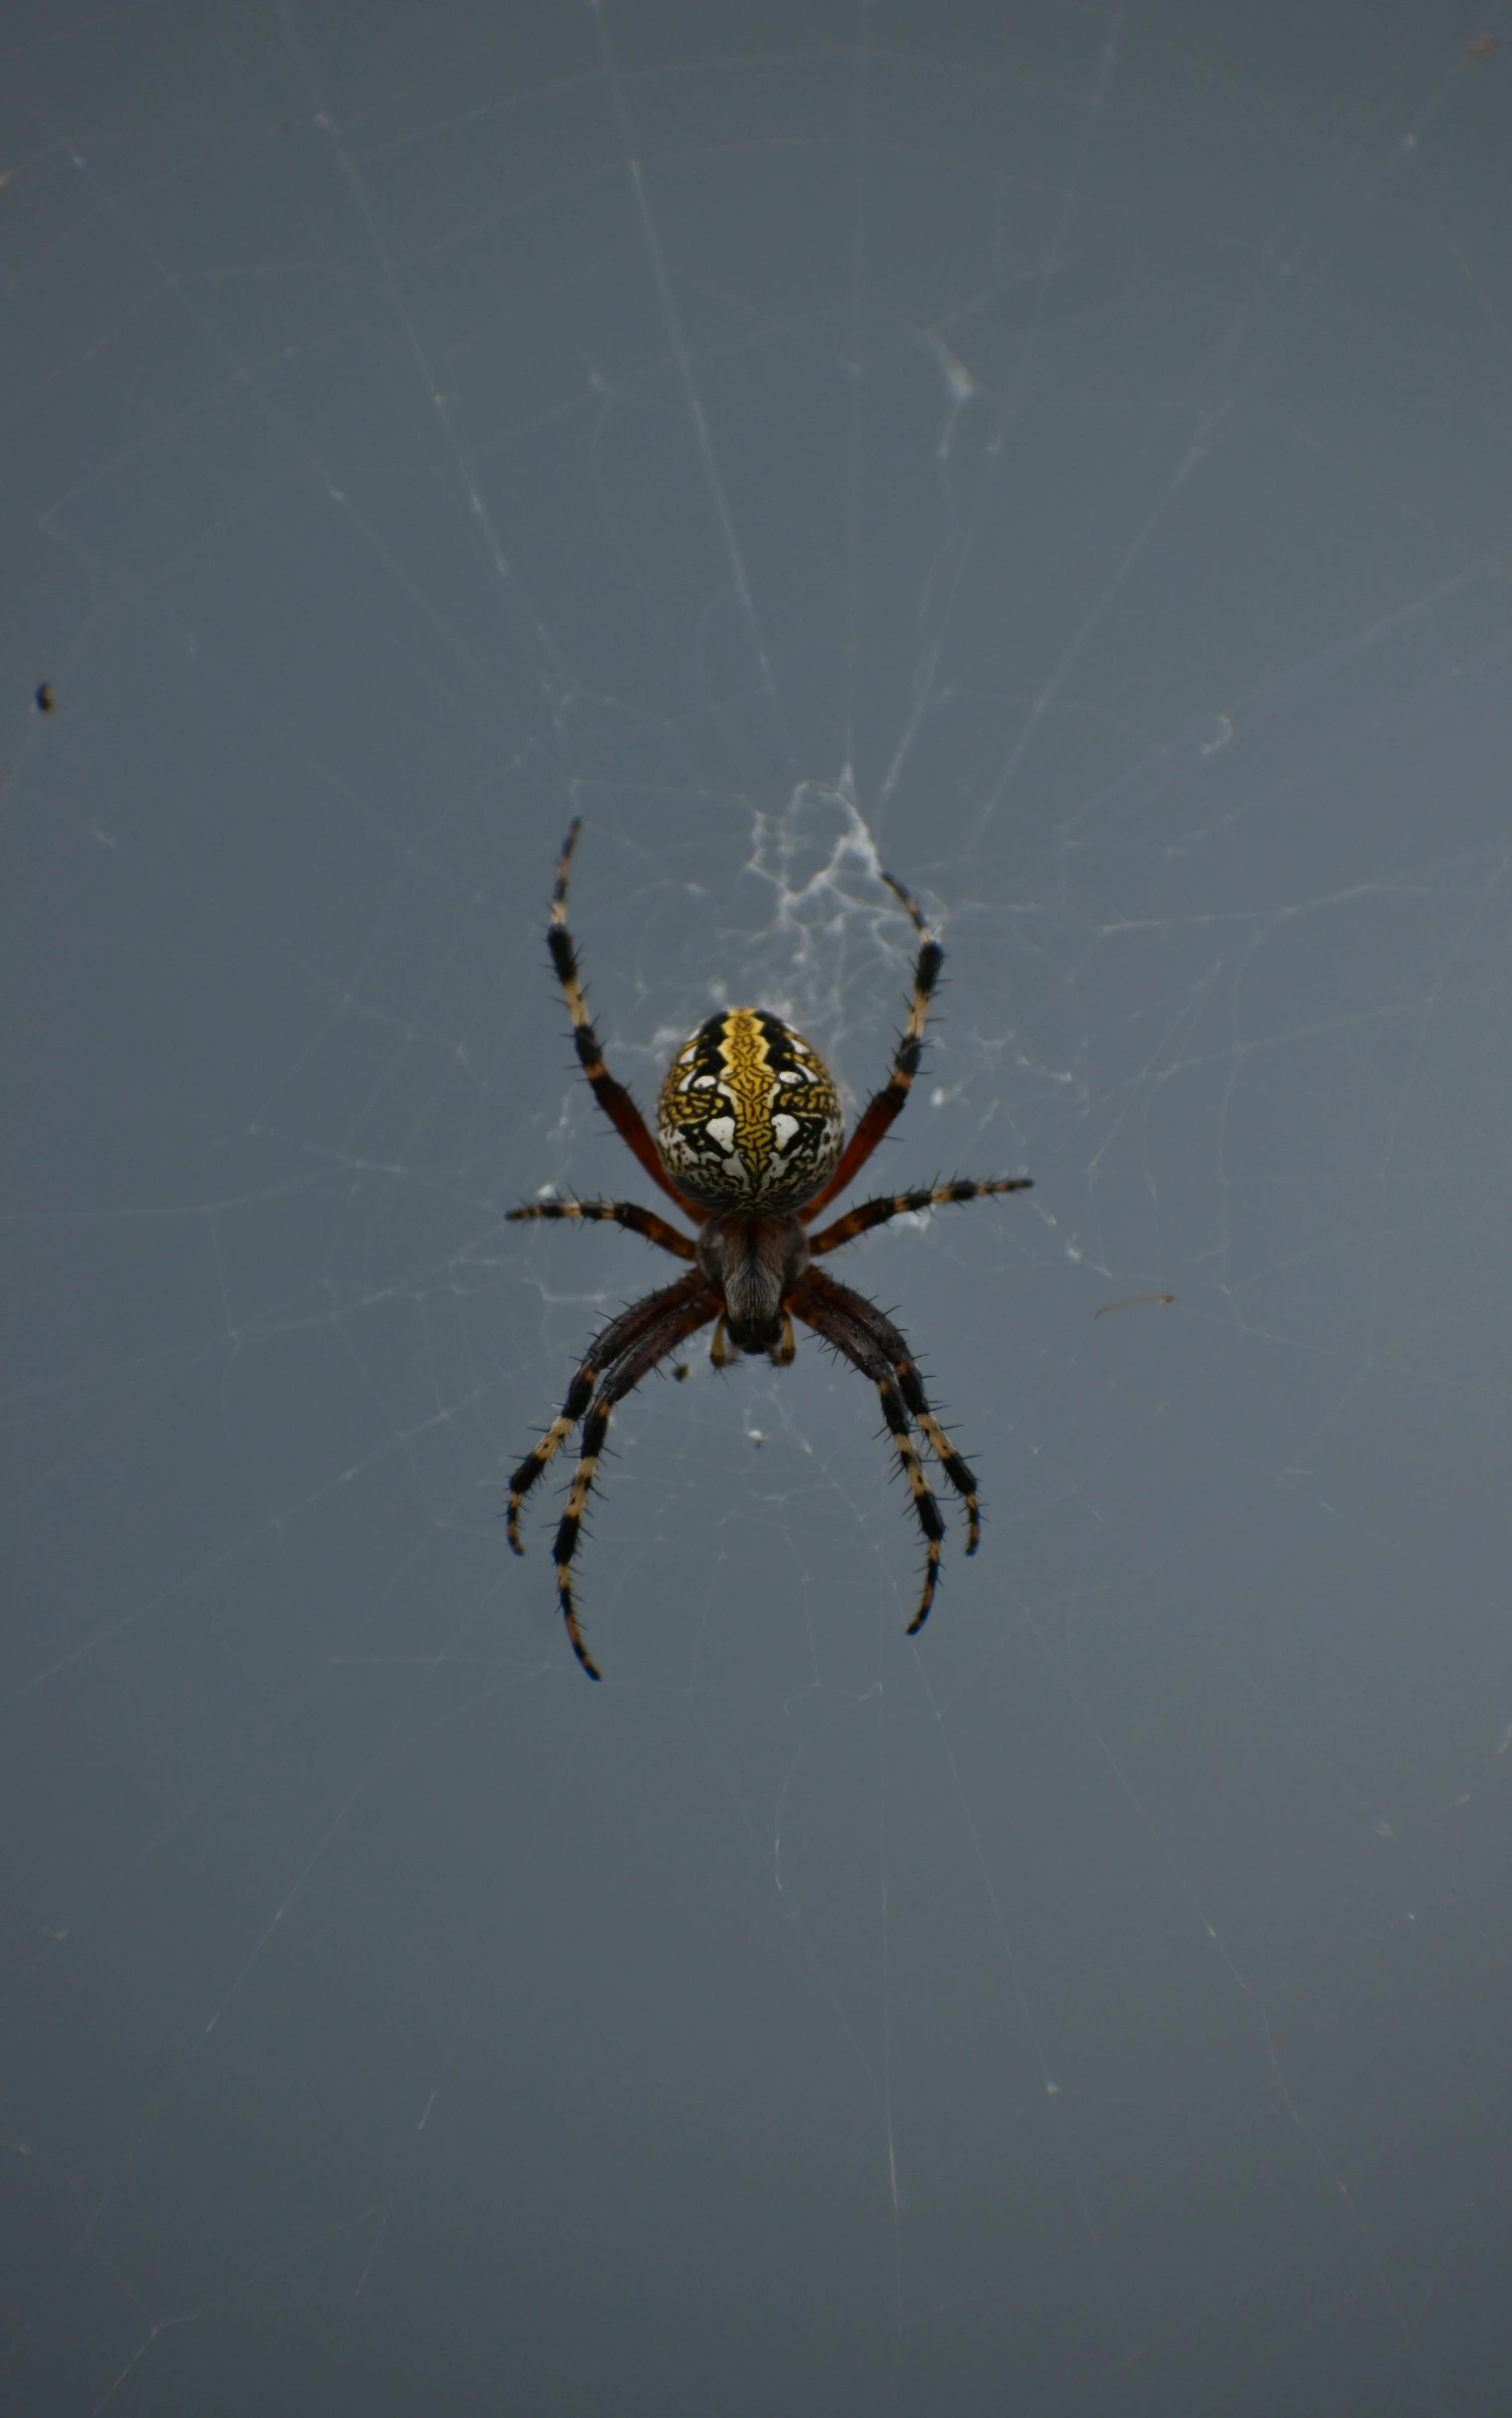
(885, 1105)
(612, 1097)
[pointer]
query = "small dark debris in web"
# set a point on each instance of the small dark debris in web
(44, 699)
(1135, 1301)
(681, 1371)
(1481, 47)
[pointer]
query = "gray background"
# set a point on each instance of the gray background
(1059, 454)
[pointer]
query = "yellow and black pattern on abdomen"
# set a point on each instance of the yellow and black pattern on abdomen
(748, 1117)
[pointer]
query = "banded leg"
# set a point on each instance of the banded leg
(880, 1330)
(628, 1213)
(612, 1097)
(835, 1323)
(861, 1219)
(884, 1105)
(620, 1336)
(636, 1363)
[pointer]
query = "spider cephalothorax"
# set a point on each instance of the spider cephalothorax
(749, 1146)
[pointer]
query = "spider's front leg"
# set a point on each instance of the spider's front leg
(669, 1331)
(620, 1336)
(829, 1309)
(878, 1328)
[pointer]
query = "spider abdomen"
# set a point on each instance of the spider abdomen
(748, 1118)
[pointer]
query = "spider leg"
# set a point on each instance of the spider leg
(642, 1356)
(620, 1336)
(875, 1324)
(628, 1213)
(829, 1309)
(612, 1097)
(884, 1105)
(868, 1213)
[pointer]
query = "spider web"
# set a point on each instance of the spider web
(1056, 455)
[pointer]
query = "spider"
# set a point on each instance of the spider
(748, 1145)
